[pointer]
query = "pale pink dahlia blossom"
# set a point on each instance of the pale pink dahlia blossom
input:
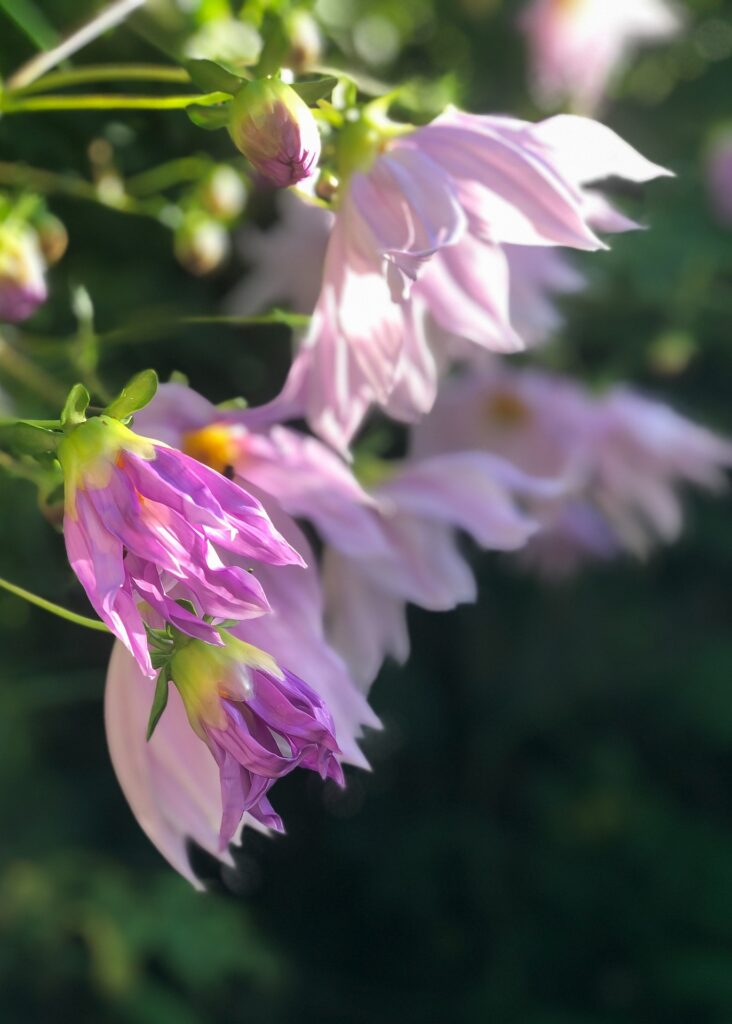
(415, 254)
(622, 456)
(576, 47)
(145, 527)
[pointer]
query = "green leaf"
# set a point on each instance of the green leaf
(211, 119)
(315, 89)
(160, 701)
(74, 410)
(134, 395)
(31, 20)
(213, 77)
(26, 439)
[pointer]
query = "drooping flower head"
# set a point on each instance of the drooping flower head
(258, 720)
(22, 267)
(144, 527)
(274, 129)
(577, 46)
(415, 261)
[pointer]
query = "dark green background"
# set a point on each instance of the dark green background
(546, 837)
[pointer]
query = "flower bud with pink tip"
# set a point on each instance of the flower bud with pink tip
(275, 130)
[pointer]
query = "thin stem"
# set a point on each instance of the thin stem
(41, 180)
(153, 327)
(173, 172)
(43, 62)
(54, 609)
(18, 104)
(29, 375)
(107, 73)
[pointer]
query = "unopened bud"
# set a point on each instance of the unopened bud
(275, 131)
(224, 193)
(22, 281)
(306, 42)
(53, 238)
(201, 245)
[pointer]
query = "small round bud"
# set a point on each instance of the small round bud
(22, 282)
(223, 193)
(52, 237)
(306, 42)
(201, 245)
(275, 130)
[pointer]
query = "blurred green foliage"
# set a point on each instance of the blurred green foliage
(547, 834)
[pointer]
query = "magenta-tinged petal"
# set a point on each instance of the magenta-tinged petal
(171, 782)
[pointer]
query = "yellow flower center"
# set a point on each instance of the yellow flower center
(507, 409)
(216, 446)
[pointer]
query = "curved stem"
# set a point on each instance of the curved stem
(14, 103)
(106, 73)
(54, 609)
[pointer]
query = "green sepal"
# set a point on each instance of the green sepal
(74, 410)
(22, 438)
(134, 395)
(160, 701)
(315, 89)
(211, 119)
(210, 76)
(233, 403)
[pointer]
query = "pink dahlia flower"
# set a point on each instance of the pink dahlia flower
(622, 456)
(293, 475)
(416, 253)
(576, 47)
(145, 526)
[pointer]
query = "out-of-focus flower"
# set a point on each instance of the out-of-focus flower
(305, 39)
(416, 254)
(144, 523)
(22, 270)
(719, 178)
(414, 556)
(258, 720)
(577, 46)
(53, 237)
(275, 131)
(623, 457)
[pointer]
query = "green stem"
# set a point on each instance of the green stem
(29, 375)
(173, 172)
(106, 73)
(14, 104)
(153, 327)
(54, 609)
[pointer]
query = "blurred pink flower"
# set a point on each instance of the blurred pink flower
(622, 456)
(22, 273)
(415, 256)
(576, 47)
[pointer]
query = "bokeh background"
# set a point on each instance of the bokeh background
(546, 837)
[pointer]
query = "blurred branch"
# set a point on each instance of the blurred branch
(42, 63)
(29, 375)
(107, 73)
(17, 103)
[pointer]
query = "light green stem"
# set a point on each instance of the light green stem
(54, 609)
(106, 73)
(153, 327)
(12, 103)
(29, 375)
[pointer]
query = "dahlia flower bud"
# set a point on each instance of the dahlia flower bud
(22, 282)
(259, 721)
(275, 131)
(144, 526)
